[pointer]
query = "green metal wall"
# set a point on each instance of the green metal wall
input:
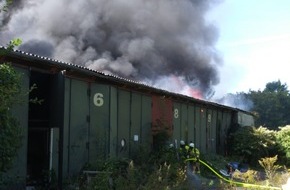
(146, 122)
(208, 129)
(99, 133)
(136, 119)
(66, 123)
(224, 121)
(212, 128)
(184, 122)
(245, 119)
(203, 126)
(130, 121)
(176, 137)
(191, 125)
(76, 126)
(177, 126)
(123, 122)
(113, 122)
(197, 139)
(227, 124)
(184, 117)
(55, 150)
(219, 140)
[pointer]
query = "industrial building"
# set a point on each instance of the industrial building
(87, 115)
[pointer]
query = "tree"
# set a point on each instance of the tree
(276, 87)
(271, 105)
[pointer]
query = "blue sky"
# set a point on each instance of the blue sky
(254, 42)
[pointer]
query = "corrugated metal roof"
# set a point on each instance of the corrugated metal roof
(69, 66)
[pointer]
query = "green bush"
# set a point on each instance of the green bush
(9, 87)
(10, 131)
(253, 143)
(283, 142)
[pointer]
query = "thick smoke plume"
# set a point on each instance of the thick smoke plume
(145, 40)
(238, 100)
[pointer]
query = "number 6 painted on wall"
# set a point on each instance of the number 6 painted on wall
(98, 99)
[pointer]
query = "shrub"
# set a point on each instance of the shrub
(253, 143)
(269, 166)
(283, 141)
(10, 131)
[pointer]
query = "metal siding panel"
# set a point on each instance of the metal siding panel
(191, 124)
(197, 139)
(123, 122)
(136, 116)
(113, 122)
(227, 128)
(78, 133)
(99, 121)
(229, 120)
(209, 148)
(66, 127)
(177, 135)
(219, 142)
(146, 123)
(203, 129)
(184, 122)
(55, 150)
(19, 167)
(213, 131)
(245, 119)
(224, 132)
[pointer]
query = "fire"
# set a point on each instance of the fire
(179, 85)
(195, 93)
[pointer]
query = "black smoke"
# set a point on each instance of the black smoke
(144, 40)
(38, 47)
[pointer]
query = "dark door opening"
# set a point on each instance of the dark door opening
(38, 154)
(38, 130)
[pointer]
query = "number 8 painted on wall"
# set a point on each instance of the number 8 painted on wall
(176, 113)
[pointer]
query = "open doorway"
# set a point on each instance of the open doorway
(38, 153)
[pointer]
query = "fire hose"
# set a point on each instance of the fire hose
(239, 184)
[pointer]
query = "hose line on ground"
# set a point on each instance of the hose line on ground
(240, 184)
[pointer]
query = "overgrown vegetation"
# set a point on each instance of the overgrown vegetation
(10, 131)
(283, 143)
(269, 166)
(161, 169)
(156, 169)
(126, 174)
(255, 143)
(10, 89)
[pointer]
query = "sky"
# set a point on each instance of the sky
(254, 42)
